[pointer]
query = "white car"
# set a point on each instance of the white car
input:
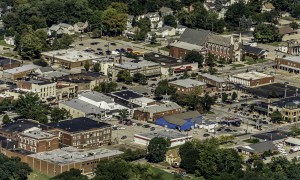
(121, 128)
(284, 153)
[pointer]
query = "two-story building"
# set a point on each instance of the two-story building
(188, 86)
(289, 63)
(288, 107)
(251, 79)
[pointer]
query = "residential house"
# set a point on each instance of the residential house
(166, 31)
(81, 27)
(153, 17)
(291, 47)
(10, 40)
(188, 86)
(173, 157)
(176, 138)
(180, 29)
(36, 140)
(183, 121)
(255, 52)
(152, 112)
(82, 132)
(61, 28)
(164, 11)
(286, 30)
(257, 148)
(267, 7)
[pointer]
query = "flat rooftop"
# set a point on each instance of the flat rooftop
(21, 125)
(187, 83)
(6, 61)
(83, 106)
(70, 155)
(78, 124)
(251, 75)
(96, 96)
(127, 94)
(136, 64)
(212, 77)
(38, 82)
(37, 134)
(271, 136)
(168, 134)
(282, 102)
(165, 61)
(295, 59)
(21, 69)
(160, 107)
(71, 55)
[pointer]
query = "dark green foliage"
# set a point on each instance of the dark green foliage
(140, 78)
(132, 155)
(6, 119)
(194, 56)
(157, 149)
(266, 33)
(164, 88)
(170, 20)
(106, 87)
(70, 175)
(40, 62)
(13, 168)
(124, 76)
(276, 117)
(58, 114)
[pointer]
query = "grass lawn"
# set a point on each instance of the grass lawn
(153, 45)
(166, 175)
(166, 48)
(274, 44)
(2, 43)
(237, 65)
(37, 176)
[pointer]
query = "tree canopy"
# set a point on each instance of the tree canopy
(13, 168)
(157, 149)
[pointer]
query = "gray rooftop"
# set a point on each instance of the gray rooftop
(160, 108)
(37, 134)
(46, 69)
(70, 155)
(96, 96)
(83, 106)
(71, 55)
(187, 83)
(258, 147)
(168, 134)
(21, 69)
(212, 77)
(187, 46)
(218, 39)
(194, 36)
(252, 75)
(295, 59)
(136, 64)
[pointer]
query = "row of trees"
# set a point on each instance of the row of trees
(125, 77)
(30, 106)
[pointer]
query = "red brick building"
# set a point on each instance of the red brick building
(252, 79)
(290, 64)
(6, 63)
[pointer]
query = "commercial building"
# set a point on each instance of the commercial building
(151, 113)
(288, 107)
(18, 72)
(289, 63)
(144, 67)
(69, 58)
(257, 148)
(183, 121)
(84, 80)
(82, 132)
(45, 90)
(6, 63)
(176, 138)
(203, 41)
(188, 86)
(36, 140)
(275, 136)
(212, 80)
(58, 161)
(170, 65)
(251, 79)
(66, 90)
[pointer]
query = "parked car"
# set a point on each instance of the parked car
(152, 128)
(121, 128)
(206, 135)
(99, 49)
(114, 44)
(123, 137)
(146, 126)
(81, 44)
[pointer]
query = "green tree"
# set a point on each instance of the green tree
(185, 75)
(234, 96)
(13, 168)
(140, 78)
(113, 170)
(224, 97)
(123, 113)
(30, 45)
(86, 66)
(294, 25)
(164, 88)
(40, 62)
(30, 106)
(266, 33)
(96, 33)
(210, 60)
(189, 154)
(145, 27)
(153, 39)
(212, 70)
(58, 114)
(170, 20)
(194, 56)
(71, 174)
(6, 119)
(96, 67)
(276, 117)
(235, 13)
(113, 21)
(120, 7)
(124, 76)
(157, 149)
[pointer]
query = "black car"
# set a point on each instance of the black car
(123, 137)
(114, 44)
(124, 87)
(99, 49)
(146, 126)
(206, 135)
(123, 50)
(264, 122)
(145, 94)
(152, 128)
(118, 50)
(94, 43)
(108, 52)
(106, 45)
(81, 44)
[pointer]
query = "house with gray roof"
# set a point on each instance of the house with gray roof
(257, 148)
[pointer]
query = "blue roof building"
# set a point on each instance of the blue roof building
(182, 122)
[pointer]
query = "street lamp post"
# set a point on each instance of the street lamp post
(297, 92)
(285, 86)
